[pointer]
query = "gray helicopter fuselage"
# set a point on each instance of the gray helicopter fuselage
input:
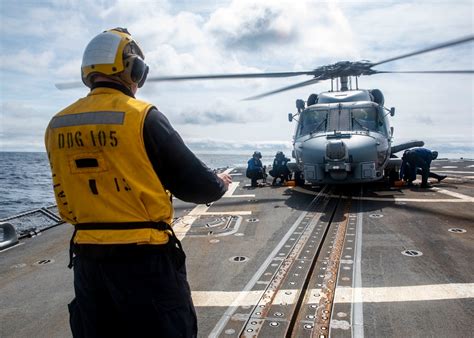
(344, 138)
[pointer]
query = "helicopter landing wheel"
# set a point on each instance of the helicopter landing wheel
(299, 180)
(393, 176)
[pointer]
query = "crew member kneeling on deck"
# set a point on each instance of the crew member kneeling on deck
(255, 169)
(418, 161)
(115, 162)
(279, 168)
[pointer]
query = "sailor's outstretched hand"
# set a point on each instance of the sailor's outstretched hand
(226, 178)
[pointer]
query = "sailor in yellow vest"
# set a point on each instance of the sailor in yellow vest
(115, 162)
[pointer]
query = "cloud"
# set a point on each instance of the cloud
(22, 127)
(196, 116)
(219, 112)
(297, 33)
(251, 26)
(424, 120)
(69, 69)
(242, 36)
(189, 43)
(28, 62)
(237, 146)
(132, 11)
(380, 32)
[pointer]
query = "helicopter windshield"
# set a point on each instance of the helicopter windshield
(364, 119)
(313, 121)
(355, 119)
(339, 120)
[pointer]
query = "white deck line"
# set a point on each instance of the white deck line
(242, 196)
(454, 194)
(11, 247)
(454, 172)
(231, 189)
(230, 192)
(412, 293)
(182, 226)
(392, 294)
(228, 213)
(199, 209)
(460, 197)
(228, 171)
(357, 306)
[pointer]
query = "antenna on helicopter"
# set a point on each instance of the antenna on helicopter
(344, 81)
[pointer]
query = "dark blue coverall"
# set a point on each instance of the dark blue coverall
(417, 160)
(255, 170)
(279, 169)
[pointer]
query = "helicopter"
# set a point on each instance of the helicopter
(342, 136)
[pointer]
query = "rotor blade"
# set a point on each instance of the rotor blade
(429, 71)
(429, 49)
(297, 85)
(69, 85)
(227, 76)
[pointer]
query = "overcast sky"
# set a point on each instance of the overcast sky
(42, 44)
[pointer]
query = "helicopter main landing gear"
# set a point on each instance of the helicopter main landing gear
(392, 176)
(299, 178)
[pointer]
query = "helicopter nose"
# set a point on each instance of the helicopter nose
(336, 154)
(336, 150)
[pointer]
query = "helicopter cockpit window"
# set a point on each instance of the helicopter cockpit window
(339, 120)
(313, 121)
(364, 119)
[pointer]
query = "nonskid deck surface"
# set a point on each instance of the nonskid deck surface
(279, 261)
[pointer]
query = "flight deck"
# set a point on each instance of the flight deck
(285, 261)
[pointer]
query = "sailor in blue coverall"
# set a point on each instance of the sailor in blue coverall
(255, 169)
(418, 161)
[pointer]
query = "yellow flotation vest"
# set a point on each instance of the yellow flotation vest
(102, 174)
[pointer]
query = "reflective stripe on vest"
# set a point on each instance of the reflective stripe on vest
(101, 171)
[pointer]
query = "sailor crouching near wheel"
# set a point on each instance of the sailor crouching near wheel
(115, 162)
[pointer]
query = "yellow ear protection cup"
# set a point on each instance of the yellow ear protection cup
(136, 70)
(140, 72)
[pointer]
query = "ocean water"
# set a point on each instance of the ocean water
(25, 182)
(25, 178)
